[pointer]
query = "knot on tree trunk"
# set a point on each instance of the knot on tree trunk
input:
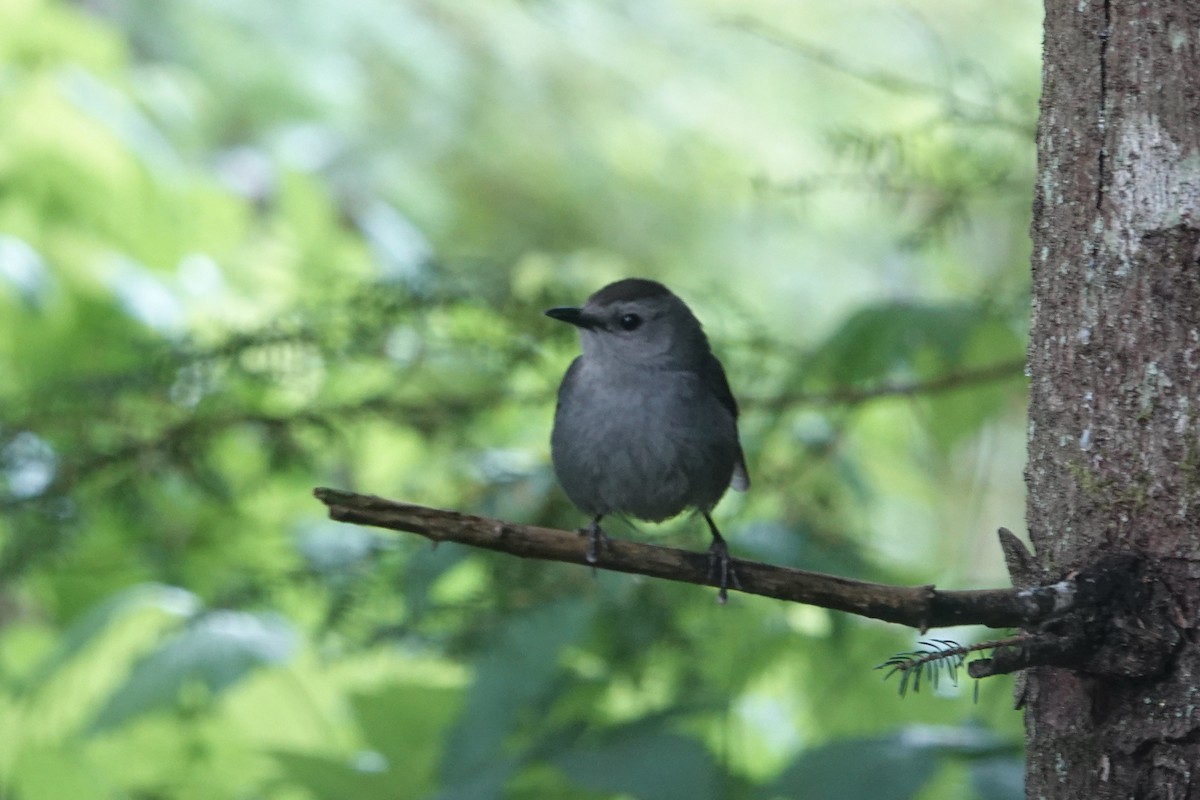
(1122, 624)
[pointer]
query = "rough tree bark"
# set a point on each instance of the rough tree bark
(1114, 358)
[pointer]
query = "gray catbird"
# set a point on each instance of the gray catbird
(646, 425)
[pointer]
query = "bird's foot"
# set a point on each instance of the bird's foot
(597, 540)
(720, 569)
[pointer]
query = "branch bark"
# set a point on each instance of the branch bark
(919, 607)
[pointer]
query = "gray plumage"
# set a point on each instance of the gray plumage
(646, 424)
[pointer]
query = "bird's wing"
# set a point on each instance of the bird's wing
(568, 379)
(713, 375)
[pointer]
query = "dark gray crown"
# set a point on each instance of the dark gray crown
(626, 290)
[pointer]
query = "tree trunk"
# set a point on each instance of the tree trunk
(1114, 359)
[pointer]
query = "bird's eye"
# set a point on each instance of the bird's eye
(630, 321)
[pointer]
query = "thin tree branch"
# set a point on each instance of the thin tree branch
(1004, 370)
(883, 184)
(964, 108)
(919, 607)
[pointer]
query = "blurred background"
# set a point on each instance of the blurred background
(250, 248)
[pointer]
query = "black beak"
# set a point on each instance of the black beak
(574, 316)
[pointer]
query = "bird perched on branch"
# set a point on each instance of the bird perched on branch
(646, 425)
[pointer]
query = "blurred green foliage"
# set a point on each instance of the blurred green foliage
(249, 248)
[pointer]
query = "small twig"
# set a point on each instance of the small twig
(919, 607)
(939, 654)
(1040, 650)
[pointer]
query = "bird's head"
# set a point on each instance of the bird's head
(637, 322)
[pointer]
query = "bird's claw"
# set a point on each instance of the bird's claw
(720, 569)
(597, 541)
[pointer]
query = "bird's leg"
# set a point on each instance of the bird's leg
(720, 565)
(597, 539)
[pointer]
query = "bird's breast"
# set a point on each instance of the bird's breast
(649, 445)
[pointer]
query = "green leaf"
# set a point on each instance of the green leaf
(962, 411)
(876, 341)
(425, 567)
(51, 774)
(888, 768)
(98, 621)
(487, 783)
(332, 779)
(406, 725)
(795, 546)
(511, 677)
(216, 652)
(652, 765)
